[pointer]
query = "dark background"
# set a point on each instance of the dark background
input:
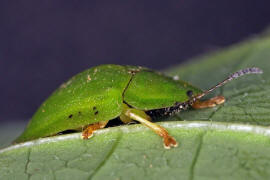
(43, 43)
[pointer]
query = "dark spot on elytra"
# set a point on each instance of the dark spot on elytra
(94, 108)
(79, 113)
(96, 112)
(189, 93)
(70, 116)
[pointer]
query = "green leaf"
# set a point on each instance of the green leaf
(207, 150)
(230, 141)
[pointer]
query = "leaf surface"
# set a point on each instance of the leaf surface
(206, 150)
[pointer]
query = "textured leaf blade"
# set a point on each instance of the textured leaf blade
(206, 150)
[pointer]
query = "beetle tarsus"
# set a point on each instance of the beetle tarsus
(169, 142)
(90, 129)
(208, 103)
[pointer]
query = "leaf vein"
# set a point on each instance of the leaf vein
(107, 157)
(27, 163)
(197, 153)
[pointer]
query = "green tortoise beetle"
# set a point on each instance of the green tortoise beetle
(95, 96)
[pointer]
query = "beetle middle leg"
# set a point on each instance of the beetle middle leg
(138, 115)
(89, 130)
(208, 103)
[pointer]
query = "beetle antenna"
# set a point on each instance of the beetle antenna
(253, 70)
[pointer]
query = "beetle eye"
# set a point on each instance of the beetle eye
(189, 93)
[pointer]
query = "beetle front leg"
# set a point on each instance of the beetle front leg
(143, 118)
(208, 103)
(89, 130)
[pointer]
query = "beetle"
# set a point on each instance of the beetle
(95, 96)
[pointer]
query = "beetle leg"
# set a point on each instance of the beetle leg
(208, 103)
(143, 118)
(89, 130)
